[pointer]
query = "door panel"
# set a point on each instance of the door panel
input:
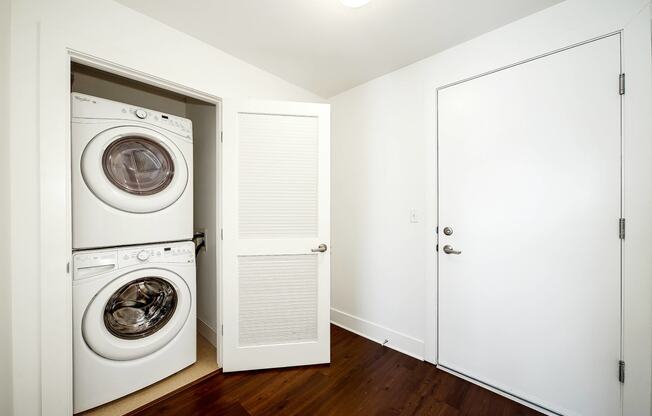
(278, 299)
(530, 185)
(276, 289)
(278, 193)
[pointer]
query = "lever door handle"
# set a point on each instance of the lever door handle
(322, 248)
(448, 249)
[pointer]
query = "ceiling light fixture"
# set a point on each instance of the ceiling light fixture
(354, 3)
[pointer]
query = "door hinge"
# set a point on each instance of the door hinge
(68, 267)
(221, 233)
(621, 371)
(621, 228)
(222, 329)
(221, 137)
(621, 84)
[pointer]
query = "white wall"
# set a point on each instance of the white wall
(41, 32)
(206, 182)
(384, 165)
(5, 281)
(378, 176)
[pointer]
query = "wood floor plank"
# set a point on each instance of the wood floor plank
(363, 378)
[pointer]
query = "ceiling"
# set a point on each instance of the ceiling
(326, 47)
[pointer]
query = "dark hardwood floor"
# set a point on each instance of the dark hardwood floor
(363, 379)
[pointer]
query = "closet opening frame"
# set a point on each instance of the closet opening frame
(79, 57)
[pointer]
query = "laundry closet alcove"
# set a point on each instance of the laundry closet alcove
(258, 176)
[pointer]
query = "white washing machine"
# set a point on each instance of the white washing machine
(134, 318)
(131, 174)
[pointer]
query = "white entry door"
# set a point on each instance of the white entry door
(529, 251)
(276, 221)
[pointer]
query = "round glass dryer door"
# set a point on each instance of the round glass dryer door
(138, 165)
(134, 169)
(136, 314)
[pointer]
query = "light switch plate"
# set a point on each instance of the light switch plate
(414, 216)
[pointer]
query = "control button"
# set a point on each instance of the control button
(143, 255)
(140, 113)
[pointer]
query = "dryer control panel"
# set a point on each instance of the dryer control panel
(94, 262)
(89, 107)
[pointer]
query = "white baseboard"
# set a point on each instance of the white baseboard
(378, 333)
(207, 332)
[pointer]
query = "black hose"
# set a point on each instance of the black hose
(199, 246)
(200, 241)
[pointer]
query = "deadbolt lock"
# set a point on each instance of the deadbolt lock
(448, 231)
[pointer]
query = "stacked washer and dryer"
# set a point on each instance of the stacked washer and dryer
(134, 311)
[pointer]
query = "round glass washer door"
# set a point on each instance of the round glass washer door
(136, 314)
(134, 169)
(140, 308)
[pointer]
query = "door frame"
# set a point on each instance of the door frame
(55, 251)
(636, 317)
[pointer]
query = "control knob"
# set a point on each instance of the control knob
(143, 255)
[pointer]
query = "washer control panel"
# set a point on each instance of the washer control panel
(163, 253)
(93, 263)
(86, 106)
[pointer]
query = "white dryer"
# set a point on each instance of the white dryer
(134, 319)
(131, 174)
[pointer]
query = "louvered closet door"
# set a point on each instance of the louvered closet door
(276, 278)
